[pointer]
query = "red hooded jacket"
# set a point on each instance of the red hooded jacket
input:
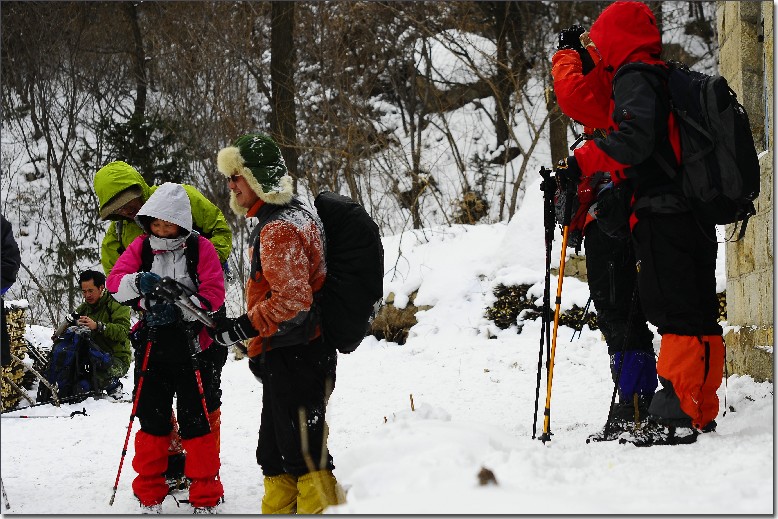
(626, 32)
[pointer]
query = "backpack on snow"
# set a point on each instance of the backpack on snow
(719, 170)
(355, 270)
(355, 267)
(73, 365)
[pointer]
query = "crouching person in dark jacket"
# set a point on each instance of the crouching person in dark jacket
(178, 349)
(286, 351)
(11, 259)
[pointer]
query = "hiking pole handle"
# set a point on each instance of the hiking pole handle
(548, 186)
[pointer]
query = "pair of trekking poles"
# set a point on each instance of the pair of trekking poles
(174, 292)
(549, 187)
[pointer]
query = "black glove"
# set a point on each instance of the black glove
(570, 38)
(255, 366)
(162, 313)
(232, 330)
(146, 282)
(567, 170)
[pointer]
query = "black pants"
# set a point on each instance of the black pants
(610, 269)
(677, 279)
(5, 338)
(170, 372)
(294, 377)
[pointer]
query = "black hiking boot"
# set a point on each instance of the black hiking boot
(657, 434)
(625, 419)
(174, 475)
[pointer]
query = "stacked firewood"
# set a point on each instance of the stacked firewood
(14, 374)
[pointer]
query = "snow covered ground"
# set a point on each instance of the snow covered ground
(473, 389)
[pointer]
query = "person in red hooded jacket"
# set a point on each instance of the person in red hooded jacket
(582, 89)
(676, 257)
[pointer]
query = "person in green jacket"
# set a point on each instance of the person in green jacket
(122, 191)
(109, 323)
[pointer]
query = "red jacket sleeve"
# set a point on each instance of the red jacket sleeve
(584, 98)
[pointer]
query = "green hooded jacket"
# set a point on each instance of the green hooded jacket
(117, 176)
(115, 338)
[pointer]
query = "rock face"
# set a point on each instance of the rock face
(746, 35)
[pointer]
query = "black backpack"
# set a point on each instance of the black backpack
(72, 366)
(355, 267)
(355, 271)
(719, 171)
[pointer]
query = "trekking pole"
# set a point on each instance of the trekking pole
(78, 397)
(546, 436)
(71, 415)
(135, 400)
(578, 329)
(630, 316)
(41, 378)
(191, 340)
(547, 186)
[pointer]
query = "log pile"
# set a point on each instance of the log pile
(14, 372)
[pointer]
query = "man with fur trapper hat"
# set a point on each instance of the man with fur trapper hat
(286, 352)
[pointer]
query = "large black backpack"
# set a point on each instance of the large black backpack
(72, 366)
(719, 170)
(355, 271)
(355, 266)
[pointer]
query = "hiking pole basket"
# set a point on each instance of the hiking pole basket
(546, 436)
(135, 400)
(548, 187)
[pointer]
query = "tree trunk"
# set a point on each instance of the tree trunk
(558, 122)
(283, 119)
(138, 63)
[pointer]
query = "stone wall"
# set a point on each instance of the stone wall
(745, 32)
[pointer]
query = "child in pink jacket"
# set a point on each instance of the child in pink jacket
(161, 252)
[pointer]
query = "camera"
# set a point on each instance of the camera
(73, 317)
(570, 38)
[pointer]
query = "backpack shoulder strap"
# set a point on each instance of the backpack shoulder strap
(119, 228)
(267, 214)
(146, 255)
(192, 254)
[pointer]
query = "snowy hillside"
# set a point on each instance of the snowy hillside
(473, 391)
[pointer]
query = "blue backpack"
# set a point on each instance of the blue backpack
(73, 366)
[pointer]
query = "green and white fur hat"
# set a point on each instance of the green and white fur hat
(257, 158)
